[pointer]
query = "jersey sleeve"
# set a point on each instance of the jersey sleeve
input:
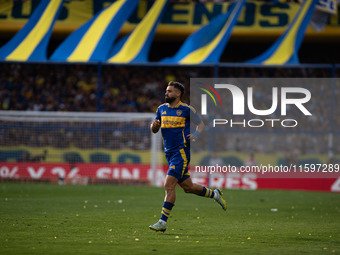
(194, 117)
(158, 114)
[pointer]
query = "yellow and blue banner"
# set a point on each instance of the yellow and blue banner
(285, 49)
(259, 20)
(93, 40)
(135, 46)
(30, 43)
(328, 6)
(207, 44)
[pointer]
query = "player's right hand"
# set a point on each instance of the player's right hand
(156, 124)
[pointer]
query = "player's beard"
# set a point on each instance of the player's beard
(170, 99)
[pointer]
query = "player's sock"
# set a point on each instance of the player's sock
(206, 192)
(166, 209)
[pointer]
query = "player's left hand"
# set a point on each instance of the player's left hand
(192, 137)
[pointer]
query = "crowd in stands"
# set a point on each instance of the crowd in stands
(52, 87)
(79, 88)
(111, 135)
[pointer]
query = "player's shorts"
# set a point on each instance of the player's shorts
(178, 164)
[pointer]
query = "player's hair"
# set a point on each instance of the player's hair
(177, 85)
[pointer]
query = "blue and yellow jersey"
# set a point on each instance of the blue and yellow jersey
(175, 125)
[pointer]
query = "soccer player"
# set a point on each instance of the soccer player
(173, 118)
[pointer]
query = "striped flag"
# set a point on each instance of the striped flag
(135, 46)
(93, 40)
(206, 45)
(30, 43)
(285, 49)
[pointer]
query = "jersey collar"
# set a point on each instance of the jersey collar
(178, 104)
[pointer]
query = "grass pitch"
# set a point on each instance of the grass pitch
(104, 219)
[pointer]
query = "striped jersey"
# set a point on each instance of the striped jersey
(175, 125)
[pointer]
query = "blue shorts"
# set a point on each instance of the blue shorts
(178, 164)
